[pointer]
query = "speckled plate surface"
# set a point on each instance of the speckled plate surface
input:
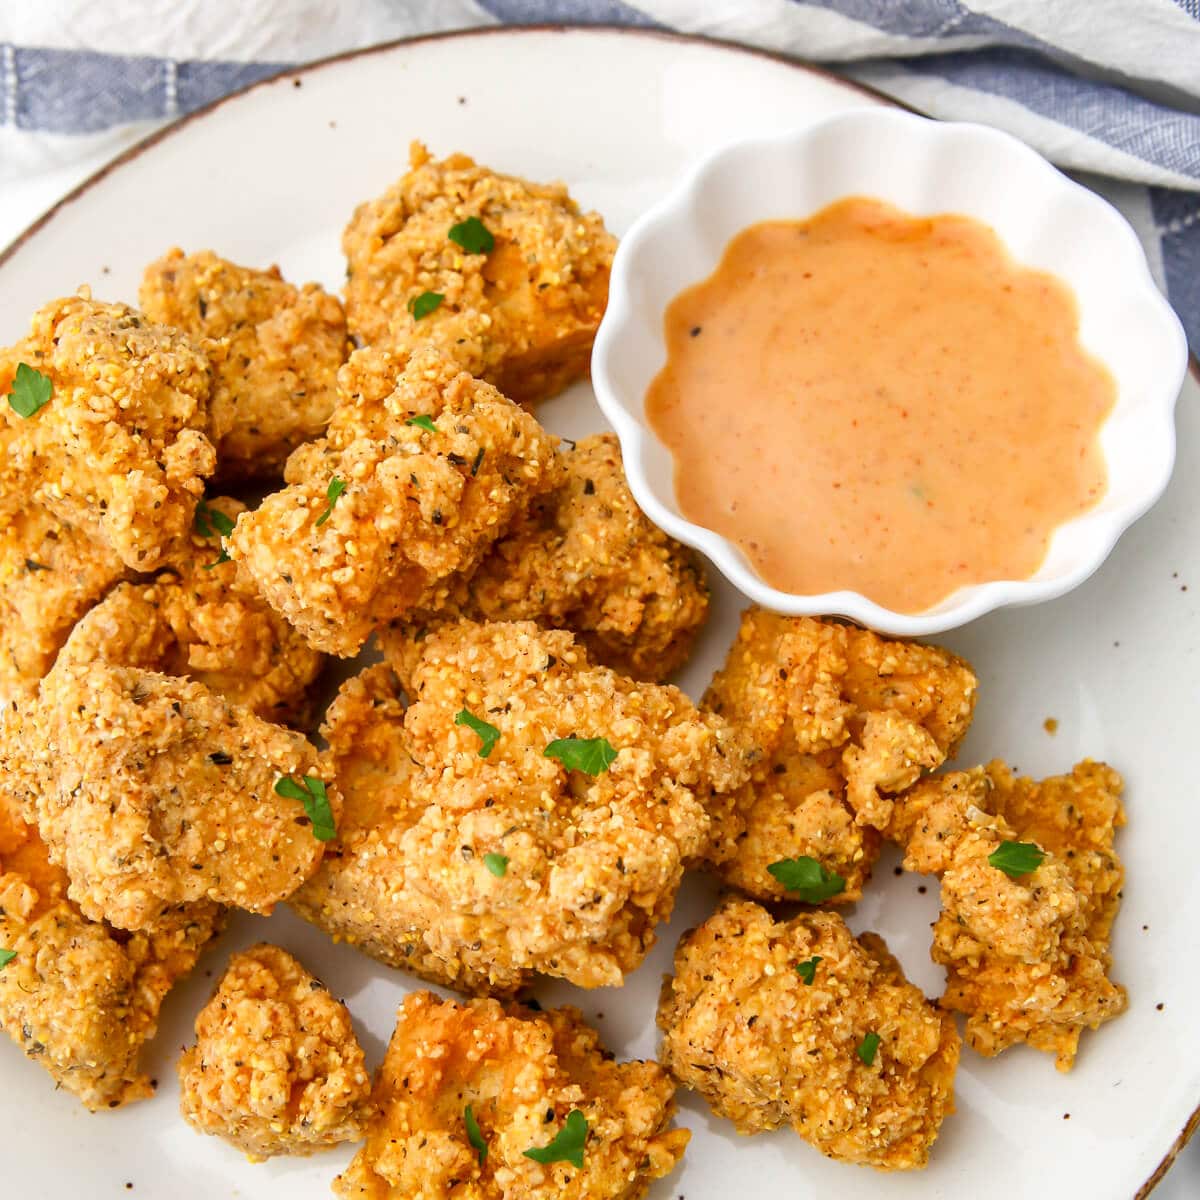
(272, 175)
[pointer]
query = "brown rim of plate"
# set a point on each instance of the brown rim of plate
(153, 139)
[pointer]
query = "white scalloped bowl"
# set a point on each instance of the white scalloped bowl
(925, 167)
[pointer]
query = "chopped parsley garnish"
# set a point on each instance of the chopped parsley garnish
(567, 1145)
(31, 390)
(1017, 858)
(807, 878)
(488, 735)
(312, 794)
(223, 557)
(473, 236)
(868, 1048)
(6, 956)
(422, 422)
(807, 970)
(592, 756)
(422, 305)
(497, 864)
(332, 492)
(474, 1136)
(211, 522)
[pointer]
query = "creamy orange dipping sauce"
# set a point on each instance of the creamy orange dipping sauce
(878, 402)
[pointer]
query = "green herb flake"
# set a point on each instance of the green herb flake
(6, 956)
(31, 390)
(422, 305)
(807, 970)
(473, 236)
(312, 794)
(497, 864)
(1017, 858)
(488, 735)
(592, 756)
(567, 1145)
(807, 878)
(422, 422)
(211, 522)
(332, 492)
(868, 1048)
(216, 562)
(474, 1136)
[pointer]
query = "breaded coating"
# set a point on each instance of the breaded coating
(521, 1074)
(584, 558)
(276, 1068)
(1027, 959)
(202, 621)
(838, 721)
(121, 450)
(522, 315)
(494, 866)
(50, 575)
(152, 791)
(275, 351)
(79, 998)
(418, 505)
(766, 1048)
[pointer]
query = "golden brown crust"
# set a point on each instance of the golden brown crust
(121, 450)
(153, 792)
(765, 1049)
(523, 316)
(522, 1073)
(275, 350)
(276, 1068)
(837, 721)
(417, 507)
(50, 575)
(201, 620)
(79, 998)
(1027, 958)
(585, 558)
(593, 863)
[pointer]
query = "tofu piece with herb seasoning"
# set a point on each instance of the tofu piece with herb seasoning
(583, 557)
(79, 998)
(119, 439)
(527, 812)
(503, 1102)
(152, 791)
(506, 276)
(433, 467)
(798, 1023)
(201, 620)
(837, 722)
(276, 1068)
(275, 351)
(1031, 885)
(50, 575)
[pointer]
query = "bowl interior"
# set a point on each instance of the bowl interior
(1046, 221)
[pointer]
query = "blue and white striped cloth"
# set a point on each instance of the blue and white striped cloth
(1106, 88)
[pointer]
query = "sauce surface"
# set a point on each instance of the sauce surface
(879, 402)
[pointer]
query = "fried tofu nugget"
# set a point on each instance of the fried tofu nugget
(276, 1068)
(275, 350)
(78, 997)
(417, 477)
(520, 310)
(1027, 958)
(121, 449)
(152, 791)
(467, 1089)
(799, 1023)
(585, 558)
(50, 575)
(201, 620)
(492, 858)
(838, 721)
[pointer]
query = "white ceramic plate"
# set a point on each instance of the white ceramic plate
(272, 175)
